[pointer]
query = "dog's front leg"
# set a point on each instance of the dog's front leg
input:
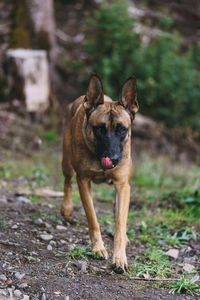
(94, 228)
(121, 214)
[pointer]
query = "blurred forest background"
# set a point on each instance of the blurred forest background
(48, 50)
(156, 42)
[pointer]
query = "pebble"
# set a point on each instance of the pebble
(81, 265)
(17, 293)
(63, 242)
(22, 199)
(3, 199)
(53, 243)
(38, 221)
(49, 247)
(26, 297)
(47, 225)
(22, 285)
(14, 226)
(3, 277)
(61, 227)
(46, 237)
(173, 253)
(43, 297)
(19, 276)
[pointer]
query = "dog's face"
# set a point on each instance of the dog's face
(109, 123)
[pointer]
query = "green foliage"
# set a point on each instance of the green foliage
(113, 45)
(51, 136)
(185, 285)
(168, 82)
(3, 223)
(166, 22)
(81, 253)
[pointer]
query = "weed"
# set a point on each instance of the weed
(151, 268)
(186, 285)
(81, 253)
(181, 237)
(3, 223)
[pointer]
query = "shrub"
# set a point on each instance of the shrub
(168, 82)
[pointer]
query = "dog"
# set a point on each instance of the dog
(97, 147)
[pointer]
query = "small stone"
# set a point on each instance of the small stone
(17, 293)
(22, 199)
(3, 199)
(63, 242)
(3, 292)
(26, 297)
(3, 277)
(53, 243)
(14, 226)
(46, 237)
(22, 285)
(173, 253)
(188, 268)
(81, 265)
(38, 221)
(61, 227)
(49, 247)
(33, 298)
(43, 297)
(19, 276)
(47, 225)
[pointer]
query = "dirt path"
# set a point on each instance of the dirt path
(38, 269)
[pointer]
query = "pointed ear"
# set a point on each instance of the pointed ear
(94, 95)
(128, 96)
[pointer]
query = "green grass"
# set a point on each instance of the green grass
(186, 285)
(81, 253)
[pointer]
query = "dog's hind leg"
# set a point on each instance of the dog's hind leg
(67, 204)
(94, 228)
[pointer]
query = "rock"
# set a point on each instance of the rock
(3, 277)
(14, 226)
(43, 297)
(38, 221)
(25, 297)
(22, 285)
(49, 247)
(19, 276)
(22, 199)
(63, 242)
(188, 268)
(61, 227)
(46, 237)
(81, 265)
(173, 253)
(47, 225)
(3, 199)
(17, 293)
(53, 243)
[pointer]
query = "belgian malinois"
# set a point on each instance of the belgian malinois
(97, 146)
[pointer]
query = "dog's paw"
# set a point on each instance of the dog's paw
(120, 264)
(66, 211)
(100, 253)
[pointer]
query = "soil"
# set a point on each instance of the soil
(48, 272)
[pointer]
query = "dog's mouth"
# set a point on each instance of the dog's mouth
(107, 163)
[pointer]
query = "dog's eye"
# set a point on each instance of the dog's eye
(121, 129)
(99, 129)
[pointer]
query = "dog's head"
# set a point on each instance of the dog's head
(109, 123)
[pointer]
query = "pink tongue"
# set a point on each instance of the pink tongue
(107, 162)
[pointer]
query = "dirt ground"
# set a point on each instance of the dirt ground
(47, 272)
(35, 241)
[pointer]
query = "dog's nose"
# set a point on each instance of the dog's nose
(115, 160)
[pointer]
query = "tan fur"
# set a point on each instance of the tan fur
(79, 156)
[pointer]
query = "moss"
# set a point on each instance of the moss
(20, 34)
